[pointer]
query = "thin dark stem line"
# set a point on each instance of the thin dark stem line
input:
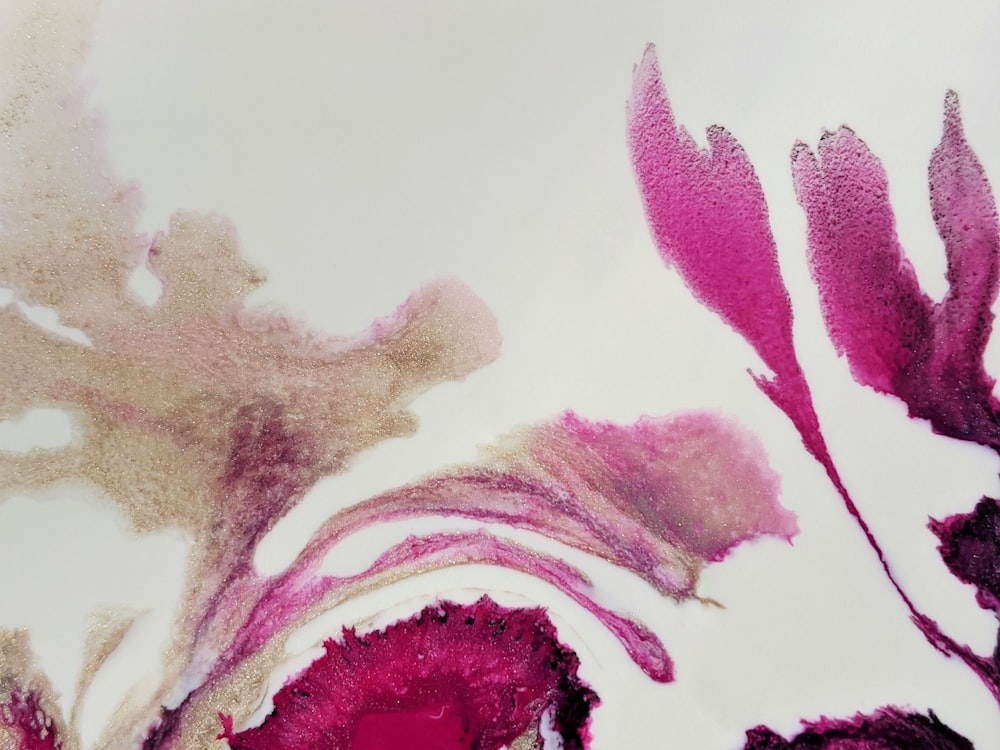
(984, 669)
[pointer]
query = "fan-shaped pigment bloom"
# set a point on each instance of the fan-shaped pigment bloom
(456, 676)
(896, 339)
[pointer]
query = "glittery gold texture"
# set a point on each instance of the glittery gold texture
(202, 413)
(197, 412)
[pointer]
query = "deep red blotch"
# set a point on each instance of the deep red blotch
(456, 676)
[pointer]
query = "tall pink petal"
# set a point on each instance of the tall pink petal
(875, 311)
(708, 217)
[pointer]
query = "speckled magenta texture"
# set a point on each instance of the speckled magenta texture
(28, 723)
(896, 339)
(886, 729)
(708, 219)
(455, 676)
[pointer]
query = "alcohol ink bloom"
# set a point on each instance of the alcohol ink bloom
(886, 729)
(896, 339)
(456, 676)
(662, 497)
(708, 217)
(29, 714)
(24, 720)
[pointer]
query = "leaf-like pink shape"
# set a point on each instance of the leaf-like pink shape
(708, 217)
(896, 339)
(27, 723)
(661, 497)
(888, 728)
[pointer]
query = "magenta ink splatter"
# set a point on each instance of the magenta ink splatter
(886, 729)
(895, 338)
(970, 547)
(456, 676)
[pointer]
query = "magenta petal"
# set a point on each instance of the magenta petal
(874, 308)
(966, 217)
(953, 390)
(886, 729)
(696, 479)
(708, 217)
(457, 676)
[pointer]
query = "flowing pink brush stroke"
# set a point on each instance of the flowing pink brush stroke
(662, 497)
(283, 600)
(708, 217)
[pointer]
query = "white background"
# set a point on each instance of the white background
(362, 149)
